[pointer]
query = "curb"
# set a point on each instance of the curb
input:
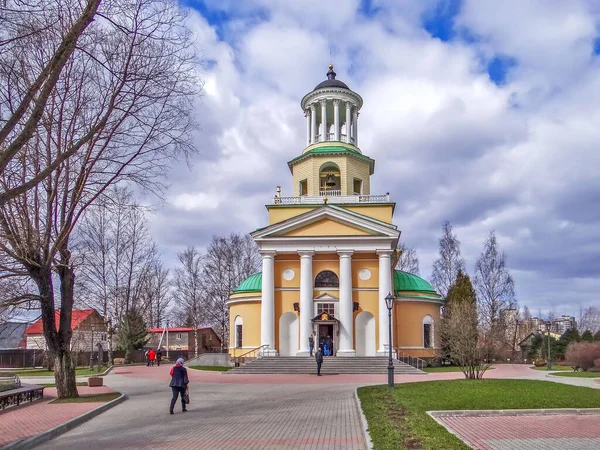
(34, 441)
(363, 422)
(514, 412)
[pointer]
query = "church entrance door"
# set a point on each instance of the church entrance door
(326, 338)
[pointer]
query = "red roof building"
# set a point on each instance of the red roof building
(183, 338)
(89, 329)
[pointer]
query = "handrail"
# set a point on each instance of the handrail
(410, 360)
(240, 360)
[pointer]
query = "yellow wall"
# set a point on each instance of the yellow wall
(250, 313)
(367, 301)
(408, 325)
(327, 227)
(284, 302)
(283, 262)
(280, 213)
(378, 212)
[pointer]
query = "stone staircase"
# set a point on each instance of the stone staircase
(331, 366)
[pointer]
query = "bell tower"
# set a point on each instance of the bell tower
(332, 164)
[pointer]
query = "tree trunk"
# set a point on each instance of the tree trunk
(64, 375)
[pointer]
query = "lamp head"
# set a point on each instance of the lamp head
(389, 301)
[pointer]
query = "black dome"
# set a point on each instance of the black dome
(331, 84)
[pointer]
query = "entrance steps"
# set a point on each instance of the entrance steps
(331, 366)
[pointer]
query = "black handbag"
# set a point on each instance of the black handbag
(186, 396)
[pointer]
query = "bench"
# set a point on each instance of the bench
(13, 393)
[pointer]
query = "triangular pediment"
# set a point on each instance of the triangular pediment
(328, 221)
(326, 296)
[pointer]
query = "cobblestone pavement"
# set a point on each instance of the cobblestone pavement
(29, 420)
(224, 416)
(531, 432)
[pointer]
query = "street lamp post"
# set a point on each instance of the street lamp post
(548, 324)
(389, 303)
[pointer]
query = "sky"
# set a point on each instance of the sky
(481, 112)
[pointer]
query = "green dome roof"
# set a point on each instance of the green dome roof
(251, 284)
(404, 281)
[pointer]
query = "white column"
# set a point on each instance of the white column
(306, 301)
(313, 123)
(336, 120)
(267, 306)
(307, 115)
(348, 122)
(355, 126)
(385, 287)
(346, 315)
(323, 120)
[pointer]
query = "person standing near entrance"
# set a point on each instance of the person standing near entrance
(311, 343)
(329, 343)
(319, 359)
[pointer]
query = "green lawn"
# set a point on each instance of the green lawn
(94, 398)
(577, 374)
(554, 368)
(80, 371)
(397, 418)
(212, 368)
(445, 369)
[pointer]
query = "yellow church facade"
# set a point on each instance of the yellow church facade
(329, 252)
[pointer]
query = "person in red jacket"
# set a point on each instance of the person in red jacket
(151, 357)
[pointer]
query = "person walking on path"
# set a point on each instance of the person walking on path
(311, 343)
(319, 359)
(158, 356)
(179, 384)
(151, 357)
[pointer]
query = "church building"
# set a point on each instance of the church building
(329, 252)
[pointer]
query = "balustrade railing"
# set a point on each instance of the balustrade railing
(331, 137)
(331, 198)
(330, 193)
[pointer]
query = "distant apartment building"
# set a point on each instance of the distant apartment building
(182, 338)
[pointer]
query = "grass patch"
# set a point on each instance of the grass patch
(554, 368)
(445, 369)
(80, 371)
(398, 420)
(577, 374)
(93, 398)
(212, 368)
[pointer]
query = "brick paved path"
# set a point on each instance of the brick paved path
(531, 432)
(225, 416)
(29, 420)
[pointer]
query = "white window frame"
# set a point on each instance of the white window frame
(428, 320)
(237, 322)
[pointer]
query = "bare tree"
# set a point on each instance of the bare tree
(446, 267)
(408, 261)
(229, 260)
(495, 290)
(466, 347)
(124, 102)
(30, 87)
(589, 319)
(189, 295)
(156, 293)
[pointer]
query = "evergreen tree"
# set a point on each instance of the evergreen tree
(132, 333)
(460, 292)
(597, 337)
(587, 336)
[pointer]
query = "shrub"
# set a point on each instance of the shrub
(583, 354)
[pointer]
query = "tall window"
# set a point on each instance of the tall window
(239, 323)
(303, 188)
(327, 278)
(357, 186)
(427, 332)
(328, 308)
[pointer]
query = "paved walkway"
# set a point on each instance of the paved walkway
(230, 411)
(26, 421)
(530, 432)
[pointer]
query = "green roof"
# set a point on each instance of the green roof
(404, 281)
(334, 149)
(251, 284)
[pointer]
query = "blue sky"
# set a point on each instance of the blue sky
(479, 112)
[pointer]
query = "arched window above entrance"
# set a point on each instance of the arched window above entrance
(327, 278)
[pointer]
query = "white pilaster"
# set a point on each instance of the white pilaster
(313, 123)
(346, 341)
(348, 122)
(267, 306)
(385, 287)
(323, 120)
(336, 120)
(355, 126)
(307, 115)
(306, 301)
